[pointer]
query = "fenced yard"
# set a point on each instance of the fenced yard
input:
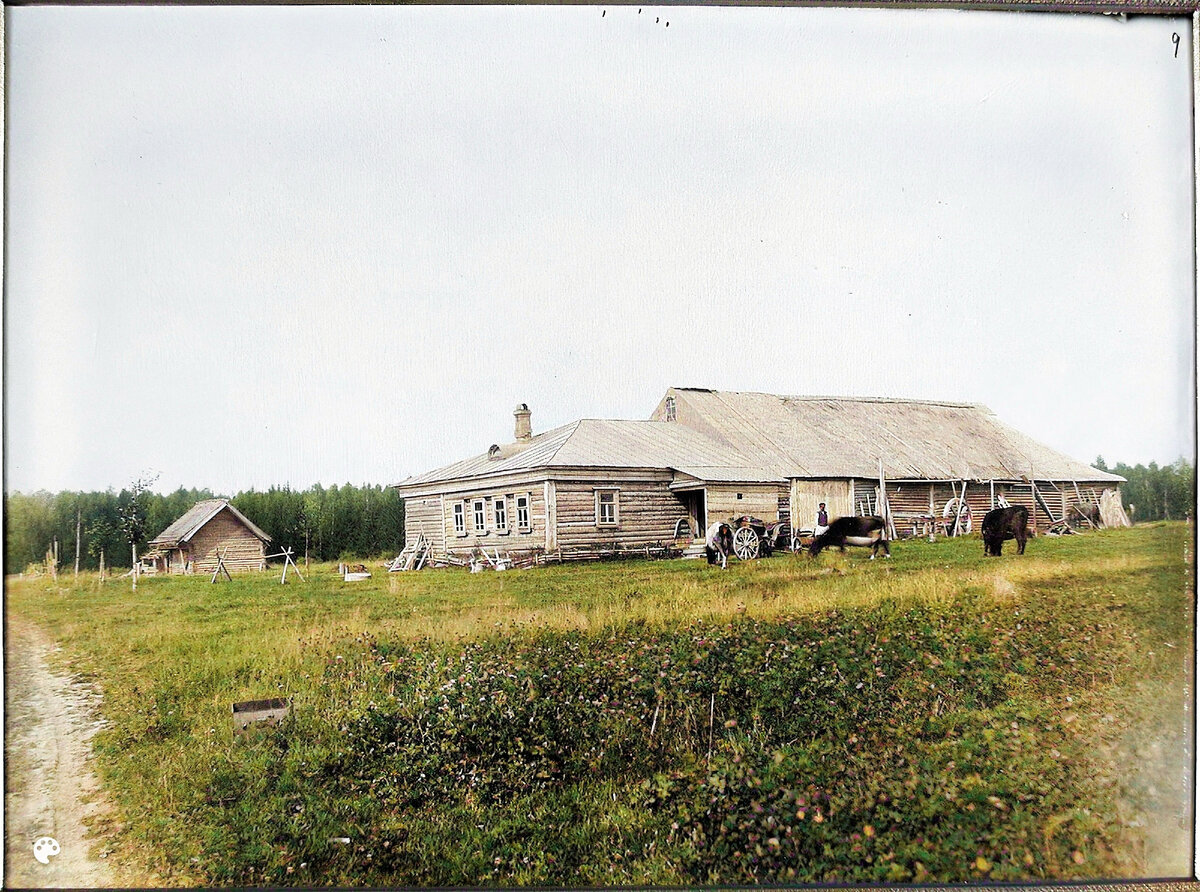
(940, 716)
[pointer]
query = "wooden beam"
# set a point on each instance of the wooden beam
(962, 503)
(1039, 499)
(1079, 511)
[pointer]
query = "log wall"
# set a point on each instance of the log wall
(864, 494)
(516, 538)
(920, 498)
(757, 500)
(646, 513)
(243, 550)
(423, 516)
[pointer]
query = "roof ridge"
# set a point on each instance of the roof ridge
(836, 398)
(574, 425)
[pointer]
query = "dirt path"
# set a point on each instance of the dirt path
(50, 787)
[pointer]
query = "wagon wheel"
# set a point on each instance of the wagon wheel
(745, 543)
(951, 511)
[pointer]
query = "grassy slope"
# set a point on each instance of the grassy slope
(951, 717)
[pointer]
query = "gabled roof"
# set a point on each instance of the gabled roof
(196, 517)
(599, 443)
(817, 436)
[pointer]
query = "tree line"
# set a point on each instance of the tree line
(334, 523)
(1156, 493)
(345, 522)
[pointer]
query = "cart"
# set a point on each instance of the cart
(754, 538)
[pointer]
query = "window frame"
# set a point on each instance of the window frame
(459, 513)
(615, 522)
(500, 512)
(479, 516)
(525, 526)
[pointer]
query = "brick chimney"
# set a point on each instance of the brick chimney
(523, 430)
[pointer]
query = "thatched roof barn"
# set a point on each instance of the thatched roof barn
(209, 529)
(596, 485)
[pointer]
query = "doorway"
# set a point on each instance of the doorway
(693, 500)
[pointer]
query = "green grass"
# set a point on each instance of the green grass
(949, 717)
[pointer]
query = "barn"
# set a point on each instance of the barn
(602, 486)
(209, 528)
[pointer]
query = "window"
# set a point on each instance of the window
(480, 516)
(606, 507)
(670, 408)
(523, 524)
(460, 519)
(500, 512)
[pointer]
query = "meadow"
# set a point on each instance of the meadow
(936, 717)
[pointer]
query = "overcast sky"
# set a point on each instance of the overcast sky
(255, 246)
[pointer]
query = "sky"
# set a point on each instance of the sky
(255, 246)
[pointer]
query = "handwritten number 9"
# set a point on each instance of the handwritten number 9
(1175, 39)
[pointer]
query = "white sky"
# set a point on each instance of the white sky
(249, 246)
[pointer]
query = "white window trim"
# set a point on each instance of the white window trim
(502, 501)
(616, 502)
(527, 526)
(479, 510)
(459, 512)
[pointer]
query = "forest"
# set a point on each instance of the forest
(325, 523)
(1153, 492)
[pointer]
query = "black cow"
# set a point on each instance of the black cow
(853, 531)
(1005, 523)
(718, 543)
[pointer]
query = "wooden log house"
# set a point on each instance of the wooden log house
(208, 529)
(597, 487)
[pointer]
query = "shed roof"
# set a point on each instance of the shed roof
(819, 436)
(196, 517)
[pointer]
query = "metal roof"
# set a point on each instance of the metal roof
(727, 474)
(593, 442)
(196, 517)
(801, 436)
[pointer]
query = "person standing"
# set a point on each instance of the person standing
(822, 520)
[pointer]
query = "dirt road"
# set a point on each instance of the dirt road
(50, 787)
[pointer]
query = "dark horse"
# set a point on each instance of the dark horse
(853, 531)
(1005, 523)
(718, 543)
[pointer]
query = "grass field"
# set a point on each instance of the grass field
(936, 717)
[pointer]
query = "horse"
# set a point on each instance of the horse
(853, 531)
(718, 543)
(1005, 523)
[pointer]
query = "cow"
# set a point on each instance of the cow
(718, 543)
(853, 531)
(1005, 523)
